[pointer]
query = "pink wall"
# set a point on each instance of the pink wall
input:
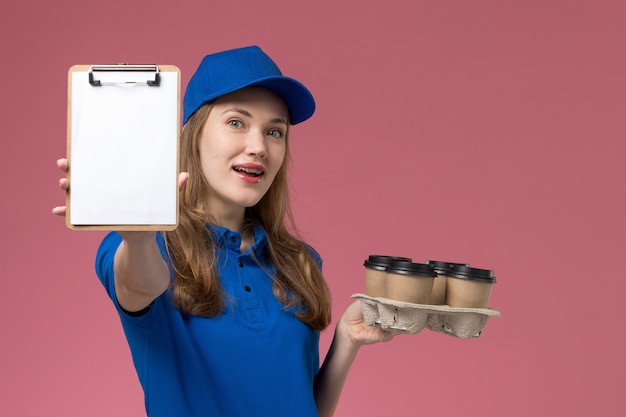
(488, 132)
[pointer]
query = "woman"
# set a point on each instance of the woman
(223, 315)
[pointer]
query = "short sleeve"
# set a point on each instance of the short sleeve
(105, 259)
(104, 262)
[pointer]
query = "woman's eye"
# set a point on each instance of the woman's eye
(275, 133)
(235, 123)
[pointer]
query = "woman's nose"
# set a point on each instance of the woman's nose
(256, 144)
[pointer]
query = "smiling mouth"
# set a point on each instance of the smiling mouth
(249, 171)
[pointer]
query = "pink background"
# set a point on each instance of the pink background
(487, 132)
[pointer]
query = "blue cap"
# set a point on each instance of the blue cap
(228, 71)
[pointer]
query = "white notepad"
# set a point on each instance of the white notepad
(123, 147)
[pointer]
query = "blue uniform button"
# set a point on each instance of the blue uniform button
(240, 264)
(247, 288)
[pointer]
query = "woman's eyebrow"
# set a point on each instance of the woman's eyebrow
(241, 111)
(246, 113)
(279, 120)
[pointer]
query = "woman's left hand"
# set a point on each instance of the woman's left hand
(353, 327)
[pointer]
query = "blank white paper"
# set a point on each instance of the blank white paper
(124, 151)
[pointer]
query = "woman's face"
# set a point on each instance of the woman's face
(242, 146)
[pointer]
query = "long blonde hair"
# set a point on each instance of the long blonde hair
(196, 287)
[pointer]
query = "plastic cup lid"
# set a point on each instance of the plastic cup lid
(474, 274)
(411, 268)
(441, 267)
(380, 262)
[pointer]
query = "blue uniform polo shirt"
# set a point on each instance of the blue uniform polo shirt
(256, 359)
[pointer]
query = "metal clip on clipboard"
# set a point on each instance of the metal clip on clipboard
(132, 69)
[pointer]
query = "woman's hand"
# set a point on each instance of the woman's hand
(352, 328)
(64, 184)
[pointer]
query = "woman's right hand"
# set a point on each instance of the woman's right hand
(64, 185)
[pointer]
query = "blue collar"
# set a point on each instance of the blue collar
(222, 236)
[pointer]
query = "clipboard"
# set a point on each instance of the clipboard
(122, 147)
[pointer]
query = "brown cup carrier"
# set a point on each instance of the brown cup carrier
(402, 317)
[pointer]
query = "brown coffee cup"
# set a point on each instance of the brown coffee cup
(468, 287)
(410, 282)
(438, 295)
(376, 275)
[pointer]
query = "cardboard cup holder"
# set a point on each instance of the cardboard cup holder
(402, 317)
